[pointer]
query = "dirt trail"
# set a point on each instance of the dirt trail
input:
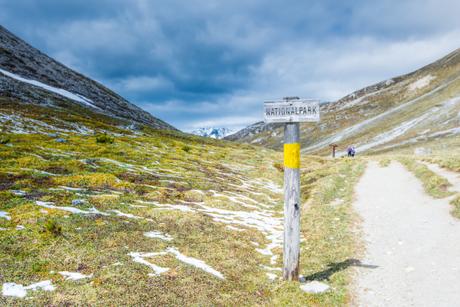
(412, 239)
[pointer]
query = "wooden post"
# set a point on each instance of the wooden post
(291, 250)
(291, 111)
(334, 146)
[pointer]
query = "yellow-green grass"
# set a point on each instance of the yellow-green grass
(328, 227)
(384, 161)
(433, 184)
(450, 161)
(456, 204)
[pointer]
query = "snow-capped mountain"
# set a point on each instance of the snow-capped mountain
(215, 133)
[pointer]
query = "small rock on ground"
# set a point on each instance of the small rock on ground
(77, 202)
(314, 287)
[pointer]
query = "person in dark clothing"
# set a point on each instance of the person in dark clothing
(351, 151)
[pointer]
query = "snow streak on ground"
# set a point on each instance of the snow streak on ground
(158, 235)
(194, 262)
(140, 258)
(257, 209)
(22, 125)
(59, 91)
(359, 127)
(430, 115)
(50, 205)
(74, 275)
(17, 290)
(4, 215)
(268, 222)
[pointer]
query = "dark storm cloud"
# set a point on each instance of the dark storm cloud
(199, 63)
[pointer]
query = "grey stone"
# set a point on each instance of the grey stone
(77, 202)
(315, 287)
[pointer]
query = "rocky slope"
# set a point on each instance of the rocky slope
(417, 109)
(29, 76)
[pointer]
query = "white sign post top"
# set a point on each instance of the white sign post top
(291, 111)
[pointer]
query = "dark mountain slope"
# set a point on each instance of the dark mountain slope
(19, 58)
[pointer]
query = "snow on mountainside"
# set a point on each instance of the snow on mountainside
(417, 109)
(29, 76)
(215, 133)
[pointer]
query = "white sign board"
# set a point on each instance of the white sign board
(292, 111)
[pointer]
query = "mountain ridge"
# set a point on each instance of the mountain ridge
(19, 58)
(213, 132)
(365, 117)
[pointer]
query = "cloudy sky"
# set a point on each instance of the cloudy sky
(208, 63)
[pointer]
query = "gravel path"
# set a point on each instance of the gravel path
(412, 239)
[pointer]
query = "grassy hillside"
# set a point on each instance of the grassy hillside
(409, 111)
(160, 218)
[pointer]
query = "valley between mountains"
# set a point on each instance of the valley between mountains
(102, 203)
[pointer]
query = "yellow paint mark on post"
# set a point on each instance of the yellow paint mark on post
(292, 155)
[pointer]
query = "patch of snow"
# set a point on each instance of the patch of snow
(59, 91)
(19, 193)
(405, 126)
(71, 189)
(139, 258)
(262, 220)
(444, 132)
(20, 227)
(50, 205)
(268, 268)
(5, 215)
(195, 262)
(17, 290)
(271, 276)
(359, 127)
(389, 82)
(182, 208)
(74, 275)
(420, 83)
(128, 215)
(23, 125)
(158, 235)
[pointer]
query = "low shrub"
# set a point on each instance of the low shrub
(53, 228)
(104, 139)
(279, 166)
(4, 140)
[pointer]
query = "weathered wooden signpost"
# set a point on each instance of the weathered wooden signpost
(291, 111)
(333, 146)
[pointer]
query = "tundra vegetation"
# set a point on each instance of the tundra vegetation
(115, 216)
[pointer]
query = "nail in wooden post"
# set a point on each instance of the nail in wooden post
(291, 252)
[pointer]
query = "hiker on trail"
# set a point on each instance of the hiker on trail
(351, 151)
